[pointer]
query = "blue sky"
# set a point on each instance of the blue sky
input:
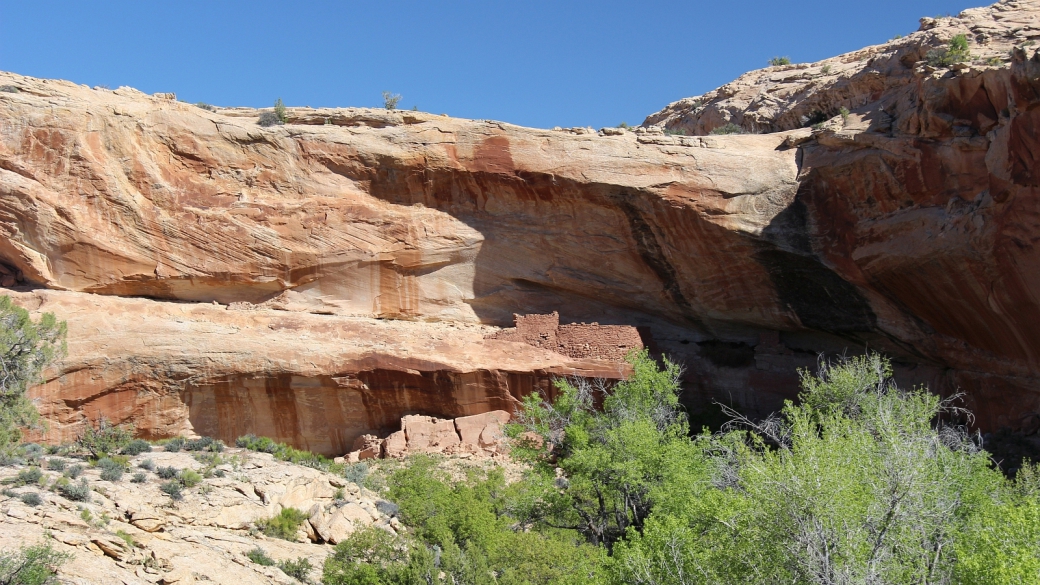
(534, 63)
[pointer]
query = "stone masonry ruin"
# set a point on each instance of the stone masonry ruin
(577, 340)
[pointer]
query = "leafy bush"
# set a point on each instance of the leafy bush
(26, 348)
(189, 478)
(390, 100)
(388, 508)
(727, 128)
(956, 52)
(167, 472)
(777, 61)
(147, 464)
(844, 113)
(857, 482)
(173, 445)
(9, 89)
(136, 447)
(205, 106)
(105, 439)
(279, 110)
(284, 452)
(110, 470)
(28, 476)
(32, 451)
(77, 492)
(56, 464)
(139, 477)
(298, 569)
(284, 525)
(73, 471)
(269, 119)
(826, 69)
(31, 499)
(172, 489)
(259, 556)
(204, 444)
(199, 444)
(127, 538)
(275, 117)
(31, 565)
(356, 473)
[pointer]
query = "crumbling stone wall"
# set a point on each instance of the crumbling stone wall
(577, 340)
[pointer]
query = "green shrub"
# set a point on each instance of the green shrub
(777, 61)
(727, 128)
(189, 478)
(104, 439)
(28, 476)
(826, 69)
(147, 464)
(77, 492)
(167, 472)
(74, 471)
(9, 89)
(31, 451)
(31, 565)
(110, 470)
(844, 113)
(259, 556)
(56, 464)
(268, 119)
(173, 445)
(275, 117)
(112, 474)
(199, 444)
(172, 489)
(356, 473)
(284, 452)
(284, 525)
(956, 52)
(127, 538)
(139, 477)
(204, 444)
(205, 106)
(136, 447)
(31, 499)
(298, 569)
(390, 100)
(26, 348)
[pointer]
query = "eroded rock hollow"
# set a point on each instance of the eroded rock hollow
(315, 281)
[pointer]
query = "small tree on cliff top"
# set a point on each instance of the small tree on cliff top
(26, 348)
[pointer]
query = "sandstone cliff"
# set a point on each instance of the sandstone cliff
(358, 258)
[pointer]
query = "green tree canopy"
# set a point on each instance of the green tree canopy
(26, 348)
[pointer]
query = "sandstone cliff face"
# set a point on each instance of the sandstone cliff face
(911, 227)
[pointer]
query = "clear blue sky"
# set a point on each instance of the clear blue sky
(532, 62)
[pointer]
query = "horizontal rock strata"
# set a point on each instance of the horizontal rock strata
(315, 381)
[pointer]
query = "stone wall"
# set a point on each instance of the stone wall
(577, 340)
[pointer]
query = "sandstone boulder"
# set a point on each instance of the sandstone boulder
(482, 432)
(368, 447)
(427, 434)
